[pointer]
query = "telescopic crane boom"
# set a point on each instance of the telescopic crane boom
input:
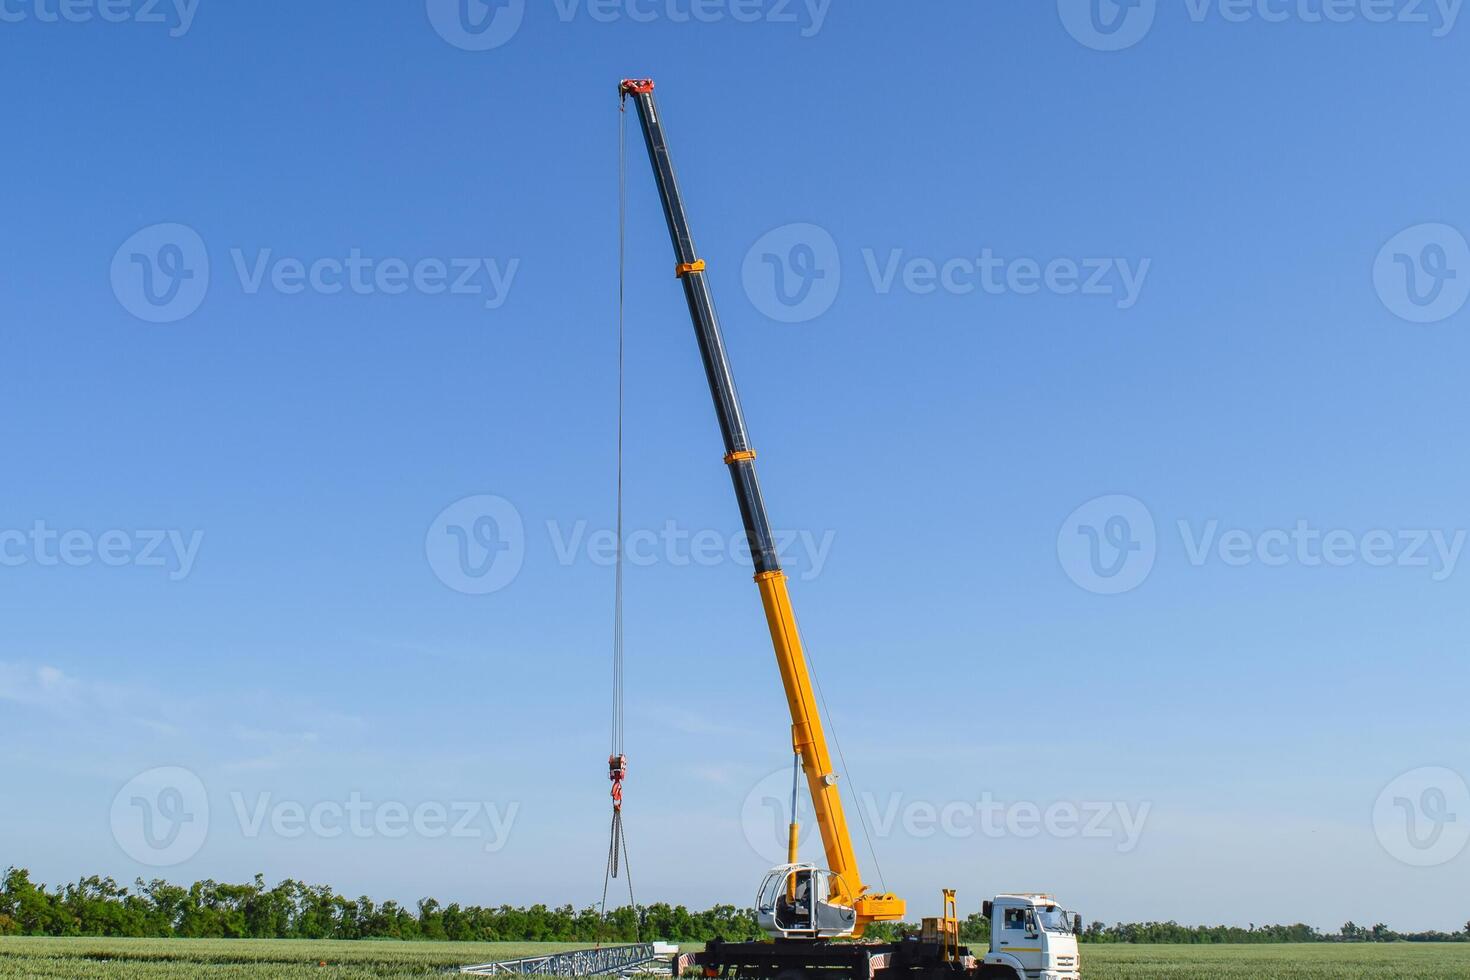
(798, 904)
(849, 906)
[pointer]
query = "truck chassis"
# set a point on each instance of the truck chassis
(787, 959)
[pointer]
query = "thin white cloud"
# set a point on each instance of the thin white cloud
(280, 748)
(42, 687)
(689, 722)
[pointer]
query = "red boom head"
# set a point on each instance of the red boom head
(636, 86)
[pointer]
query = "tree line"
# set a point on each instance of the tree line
(1173, 932)
(98, 906)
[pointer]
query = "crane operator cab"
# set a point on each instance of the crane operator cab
(792, 904)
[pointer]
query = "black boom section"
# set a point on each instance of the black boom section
(707, 330)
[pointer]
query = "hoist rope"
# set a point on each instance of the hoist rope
(617, 706)
(617, 848)
(842, 758)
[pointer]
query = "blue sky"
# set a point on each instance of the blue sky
(1066, 349)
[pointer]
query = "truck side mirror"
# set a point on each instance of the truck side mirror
(1076, 923)
(987, 909)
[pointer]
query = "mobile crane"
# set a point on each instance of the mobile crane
(803, 907)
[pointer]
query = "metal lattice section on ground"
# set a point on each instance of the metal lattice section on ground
(576, 963)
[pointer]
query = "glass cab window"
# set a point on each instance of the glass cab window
(789, 896)
(1019, 920)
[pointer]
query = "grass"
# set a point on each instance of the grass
(246, 959)
(167, 959)
(1397, 961)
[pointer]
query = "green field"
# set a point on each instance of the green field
(256, 959)
(1399, 961)
(144, 959)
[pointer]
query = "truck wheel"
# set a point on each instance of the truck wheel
(994, 972)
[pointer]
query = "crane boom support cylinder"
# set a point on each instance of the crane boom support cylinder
(807, 737)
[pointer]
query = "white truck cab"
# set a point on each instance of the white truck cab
(1033, 937)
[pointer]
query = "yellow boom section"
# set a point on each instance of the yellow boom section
(810, 742)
